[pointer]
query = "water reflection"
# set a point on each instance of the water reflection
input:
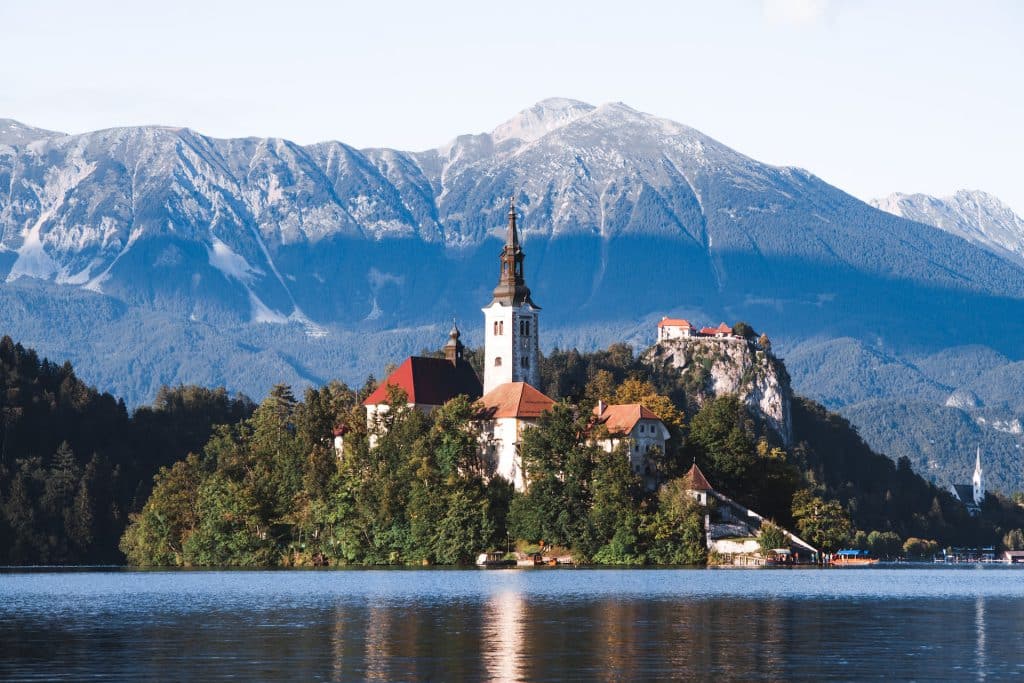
(503, 635)
(979, 627)
(503, 627)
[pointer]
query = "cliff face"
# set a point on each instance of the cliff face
(712, 367)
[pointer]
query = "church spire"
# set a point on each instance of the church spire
(977, 480)
(512, 289)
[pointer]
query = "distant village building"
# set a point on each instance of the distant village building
(972, 495)
(731, 528)
(640, 429)
(506, 411)
(675, 328)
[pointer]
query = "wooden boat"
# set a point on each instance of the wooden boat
(853, 558)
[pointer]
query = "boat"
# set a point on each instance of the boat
(853, 558)
(495, 559)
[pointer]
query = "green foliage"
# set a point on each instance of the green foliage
(884, 544)
(823, 524)
(920, 548)
(675, 531)
(770, 537)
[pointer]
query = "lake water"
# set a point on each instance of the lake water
(444, 625)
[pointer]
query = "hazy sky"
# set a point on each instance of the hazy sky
(871, 96)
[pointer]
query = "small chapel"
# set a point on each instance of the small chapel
(508, 396)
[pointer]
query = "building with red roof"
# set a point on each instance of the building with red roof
(505, 412)
(675, 328)
(427, 383)
(643, 433)
(722, 330)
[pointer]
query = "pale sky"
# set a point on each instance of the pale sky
(872, 96)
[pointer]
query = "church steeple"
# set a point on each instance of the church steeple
(977, 480)
(512, 289)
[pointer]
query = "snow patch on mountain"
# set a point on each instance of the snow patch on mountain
(224, 259)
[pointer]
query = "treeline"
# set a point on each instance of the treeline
(74, 463)
(271, 490)
(263, 486)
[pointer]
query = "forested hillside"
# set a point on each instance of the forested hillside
(74, 463)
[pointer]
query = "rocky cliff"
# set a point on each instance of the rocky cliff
(717, 366)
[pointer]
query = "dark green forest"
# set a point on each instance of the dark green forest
(74, 464)
(201, 478)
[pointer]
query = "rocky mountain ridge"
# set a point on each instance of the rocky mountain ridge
(158, 255)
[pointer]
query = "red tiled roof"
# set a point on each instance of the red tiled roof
(514, 399)
(674, 322)
(621, 418)
(697, 480)
(721, 329)
(429, 381)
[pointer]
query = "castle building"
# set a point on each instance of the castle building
(675, 328)
(973, 494)
(512, 346)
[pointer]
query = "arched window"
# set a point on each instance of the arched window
(524, 362)
(501, 327)
(497, 362)
(495, 327)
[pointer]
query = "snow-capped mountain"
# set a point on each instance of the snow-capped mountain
(973, 215)
(262, 246)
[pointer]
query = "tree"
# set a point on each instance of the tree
(721, 439)
(823, 524)
(884, 543)
(742, 329)
(770, 537)
(1014, 540)
(675, 532)
(920, 548)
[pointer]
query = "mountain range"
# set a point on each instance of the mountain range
(156, 255)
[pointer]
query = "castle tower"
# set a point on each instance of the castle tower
(512, 347)
(976, 480)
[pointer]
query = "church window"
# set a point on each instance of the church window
(497, 362)
(495, 327)
(524, 362)
(501, 327)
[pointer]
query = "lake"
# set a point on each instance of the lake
(963, 623)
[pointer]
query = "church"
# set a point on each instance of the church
(972, 495)
(508, 396)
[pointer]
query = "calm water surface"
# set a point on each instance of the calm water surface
(437, 625)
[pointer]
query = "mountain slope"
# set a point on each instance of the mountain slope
(971, 214)
(159, 255)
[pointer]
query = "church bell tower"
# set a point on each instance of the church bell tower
(977, 480)
(512, 347)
